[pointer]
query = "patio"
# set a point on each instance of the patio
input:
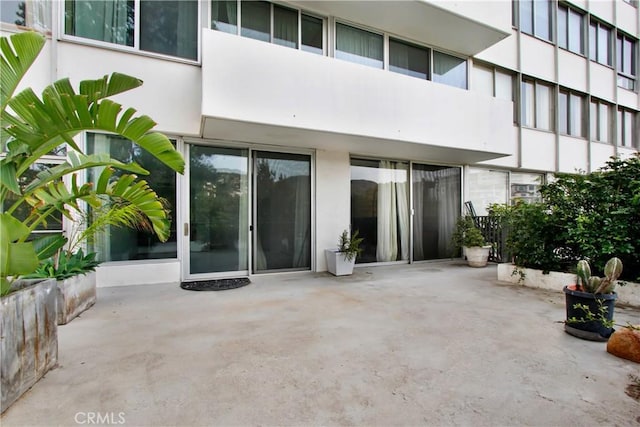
(422, 344)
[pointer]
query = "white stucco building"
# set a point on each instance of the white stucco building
(299, 119)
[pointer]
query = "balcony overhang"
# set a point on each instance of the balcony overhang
(466, 27)
(263, 93)
(280, 136)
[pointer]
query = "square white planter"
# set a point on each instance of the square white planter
(337, 264)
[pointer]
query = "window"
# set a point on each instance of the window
(570, 30)
(537, 105)
(628, 129)
(167, 27)
(224, 16)
(626, 61)
(535, 18)
(599, 120)
(409, 59)
(123, 244)
(571, 113)
(600, 43)
(268, 22)
(493, 82)
(449, 70)
(633, 3)
(34, 14)
(356, 45)
(525, 187)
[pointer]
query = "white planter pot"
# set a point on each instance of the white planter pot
(28, 337)
(337, 264)
(477, 256)
(75, 295)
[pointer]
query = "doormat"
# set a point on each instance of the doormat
(215, 285)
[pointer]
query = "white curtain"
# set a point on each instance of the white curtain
(302, 226)
(393, 212)
(448, 197)
(359, 46)
(101, 20)
(38, 14)
(418, 217)
(243, 220)
(102, 241)
(285, 27)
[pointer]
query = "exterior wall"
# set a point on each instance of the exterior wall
(333, 201)
(137, 273)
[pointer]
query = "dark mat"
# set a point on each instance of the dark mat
(215, 285)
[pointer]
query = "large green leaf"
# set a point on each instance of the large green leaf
(16, 256)
(18, 53)
(62, 114)
(48, 246)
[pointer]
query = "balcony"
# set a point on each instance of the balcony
(467, 27)
(259, 92)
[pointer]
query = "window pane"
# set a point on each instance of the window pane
(619, 54)
(504, 86)
(593, 41)
(620, 137)
(121, 244)
(628, 129)
(526, 16)
(528, 104)
(542, 19)
(360, 46)
(575, 120)
(256, 20)
(312, 34)
(487, 187)
(482, 80)
(525, 187)
(543, 107)
(604, 56)
(603, 122)
(224, 16)
(170, 27)
(562, 27)
(35, 14)
(107, 21)
(285, 27)
(575, 32)
(593, 121)
(563, 116)
(408, 59)
(449, 70)
(629, 63)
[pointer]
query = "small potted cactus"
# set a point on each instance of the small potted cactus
(591, 301)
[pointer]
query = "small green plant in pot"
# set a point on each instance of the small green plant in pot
(469, 238)
(340, 261)
(591, 301)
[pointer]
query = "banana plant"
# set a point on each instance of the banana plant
(33, 126)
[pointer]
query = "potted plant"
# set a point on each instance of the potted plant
(33, 126)
(591, 301)
(340, 261)
(468, 237)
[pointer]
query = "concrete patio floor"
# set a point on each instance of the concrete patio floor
(423, 344)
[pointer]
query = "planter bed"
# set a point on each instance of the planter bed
(627, 295)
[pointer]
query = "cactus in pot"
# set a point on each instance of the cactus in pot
(598, 285)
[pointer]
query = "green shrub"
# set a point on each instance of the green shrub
(66, 265)
(592, 216)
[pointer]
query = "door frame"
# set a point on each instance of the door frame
(184, 216)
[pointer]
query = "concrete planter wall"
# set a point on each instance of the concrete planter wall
(28, 337)
(75, 295)
(629, 294)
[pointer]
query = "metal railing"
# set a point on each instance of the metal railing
(496, 235)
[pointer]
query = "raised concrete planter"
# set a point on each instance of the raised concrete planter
(28, 337)
(629, 294)
(75, 295)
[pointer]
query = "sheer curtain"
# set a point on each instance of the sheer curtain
(393, 212)
(448, 194)
(359, 46)
(285, 27)
(224, 16)
(302, 223)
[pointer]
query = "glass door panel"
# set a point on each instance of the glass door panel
(282, 232)
(218, 204)
(380, 209)
(436, 204)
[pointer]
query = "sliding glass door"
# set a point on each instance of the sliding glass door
(282, 211)
(219, 213)
(380, 209)
(436, 207)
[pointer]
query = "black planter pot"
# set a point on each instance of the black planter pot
(592, 330)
